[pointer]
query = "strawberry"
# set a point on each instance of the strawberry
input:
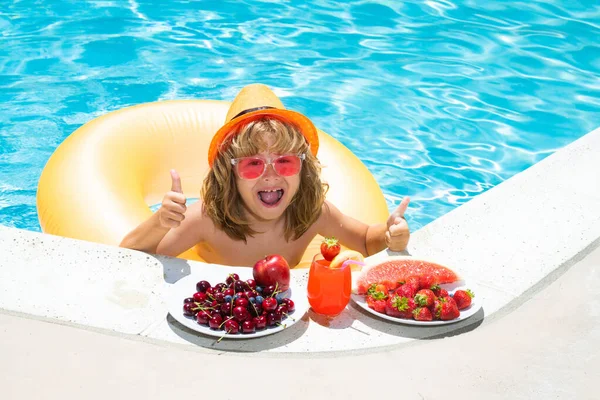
(381, 288)
(330, 248)
(449, 299)
(439, 291)
(400, 307)
(437, 307)
(463, 298)
(390, 307)
(449, 309)
(377, 305)
(424, 298)
(426, 281)
(413, 281)
(422, 314)
(377, 292)
(406, 290)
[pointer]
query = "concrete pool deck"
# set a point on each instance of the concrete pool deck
(96, 313)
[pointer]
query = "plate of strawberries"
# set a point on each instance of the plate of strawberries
(437, 305)
(415, 292)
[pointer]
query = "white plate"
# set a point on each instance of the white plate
(186, 287)
(361, 300)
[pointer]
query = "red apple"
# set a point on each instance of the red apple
(272, 270)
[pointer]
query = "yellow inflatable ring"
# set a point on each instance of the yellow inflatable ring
(99, 183)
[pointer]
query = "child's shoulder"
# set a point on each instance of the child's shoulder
(328, 212)
(196, 217)
(328, 209)
(196, 211)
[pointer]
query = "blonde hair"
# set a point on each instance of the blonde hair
(222, 201)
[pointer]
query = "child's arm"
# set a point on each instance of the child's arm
(170, 230)
(146, 236)
(152, 237)
(186, 235)
(367, 239)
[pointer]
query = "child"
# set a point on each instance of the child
(262, 195)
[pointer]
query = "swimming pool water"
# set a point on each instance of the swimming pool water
(441, 99)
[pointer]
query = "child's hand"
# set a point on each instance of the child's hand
(397, 234)
(172, 210)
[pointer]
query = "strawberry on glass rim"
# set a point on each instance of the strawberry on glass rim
(330, 248)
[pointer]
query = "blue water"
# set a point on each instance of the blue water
(441, 100)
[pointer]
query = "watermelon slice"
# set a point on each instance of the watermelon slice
(396, 269)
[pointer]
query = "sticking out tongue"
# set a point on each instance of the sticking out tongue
(270, 197)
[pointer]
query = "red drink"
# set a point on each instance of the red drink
(328, 288)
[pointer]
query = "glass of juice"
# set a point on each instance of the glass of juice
(328, 288)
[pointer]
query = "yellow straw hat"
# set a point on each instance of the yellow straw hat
(254, 102)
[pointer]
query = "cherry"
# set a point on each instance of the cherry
(188, 300)
(251, 284)
(202, 286)
(248, 326)
(248, 294)
(278, 316)
(271, 319)
(199, 297)
(203, 317)
(219, 287)
(240, 313)
(268, 290)
(220, 297)
(229, 292)
(282, 309)
(269, 304)
(231, 326)
(239, 286)
(225, 309)
(210, 292)
(290, 304)
(242, 302)
(216, 321)
(241, 295)
(189, 309)
(232, 278)
(260, 322)
(256, 310)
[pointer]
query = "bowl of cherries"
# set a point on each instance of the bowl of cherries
(234, 308)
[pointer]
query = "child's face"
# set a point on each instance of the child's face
(268, 196)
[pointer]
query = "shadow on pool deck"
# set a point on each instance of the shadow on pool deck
(173, 268)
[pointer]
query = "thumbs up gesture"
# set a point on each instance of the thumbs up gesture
(172, 209)
(397, 234)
